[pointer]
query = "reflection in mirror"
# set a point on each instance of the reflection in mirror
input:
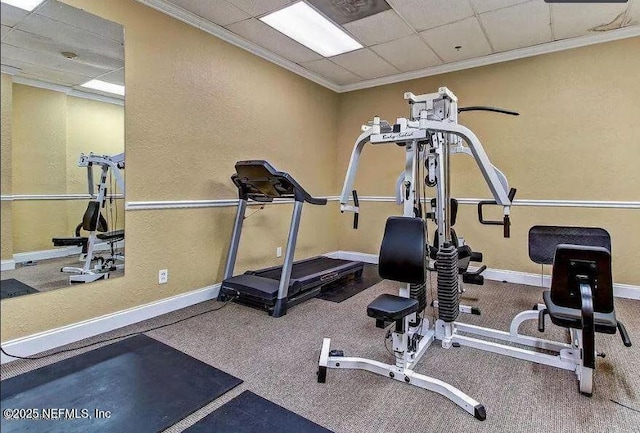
(62, 147)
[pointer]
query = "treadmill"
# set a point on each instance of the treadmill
(277, 288)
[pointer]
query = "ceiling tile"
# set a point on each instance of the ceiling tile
(11, 15)
(407, 54)
(10, 53)
(41, 44)
(481, 6)
(115, 77)
(217, 11)
(426, 14)
(71, 36)
(467, 34)
(258, 32)
(571, 20)
(5, 30)
(518, 26)
(365, 63)
(50, 75)
(375, 29)
(259, 7)
(346, 11)
(331, 71)
(81, 19)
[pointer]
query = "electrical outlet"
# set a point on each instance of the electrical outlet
(279, 252)
(163, 276)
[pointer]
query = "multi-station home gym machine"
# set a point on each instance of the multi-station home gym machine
(96, 267)
(429, 136)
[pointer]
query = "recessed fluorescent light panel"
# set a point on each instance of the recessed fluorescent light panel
(303, 24)
(103, 86)
(27, 5)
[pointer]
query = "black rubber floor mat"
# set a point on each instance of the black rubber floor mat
(135, 385)
(12, 288)
(250, 413)
(341, 291)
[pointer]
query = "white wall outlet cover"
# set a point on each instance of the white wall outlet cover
(163, 276)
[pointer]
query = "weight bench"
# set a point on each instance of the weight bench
(581, 294)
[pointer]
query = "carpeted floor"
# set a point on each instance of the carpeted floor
(277, 359)
(45, 275)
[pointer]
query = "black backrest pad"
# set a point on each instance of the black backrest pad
(93, 219)
(403, 250)
(570, 264)
(543, 240)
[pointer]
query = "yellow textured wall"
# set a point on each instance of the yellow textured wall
(38, 158)
(574, 140)
(194, 106)
(5, 158)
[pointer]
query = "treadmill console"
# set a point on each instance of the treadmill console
(260, 181)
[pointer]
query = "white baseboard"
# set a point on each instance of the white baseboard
(354, 256)
(36, 343)
(619, 290)
(34, 256)
(8, 265)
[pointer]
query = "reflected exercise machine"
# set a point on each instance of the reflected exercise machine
(96, 267)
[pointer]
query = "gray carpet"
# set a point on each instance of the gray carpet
(45, 275)
(277, 359)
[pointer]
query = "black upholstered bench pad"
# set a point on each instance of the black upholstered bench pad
(250, 413)
(572, 318)
(147, 385)
(391, 307)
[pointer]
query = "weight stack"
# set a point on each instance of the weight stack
(448, 296)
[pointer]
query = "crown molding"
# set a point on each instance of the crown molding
(230, 37)
(66, 90)
(521, 53)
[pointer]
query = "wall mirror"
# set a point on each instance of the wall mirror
(63, 160)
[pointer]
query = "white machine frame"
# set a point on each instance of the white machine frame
(88, 272)
(430, 136)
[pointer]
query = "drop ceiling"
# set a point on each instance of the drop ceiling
(404, 39)
(33, 42)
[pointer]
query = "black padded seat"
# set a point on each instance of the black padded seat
(391, 307)
(115, 235)
(70, 242)
(572, 317)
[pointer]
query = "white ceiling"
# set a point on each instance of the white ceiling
(413, 34)
(32, 43)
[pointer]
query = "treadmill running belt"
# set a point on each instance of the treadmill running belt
(140, 384)
(302, 269)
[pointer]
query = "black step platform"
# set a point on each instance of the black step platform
(250, 413)
(142, 384)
